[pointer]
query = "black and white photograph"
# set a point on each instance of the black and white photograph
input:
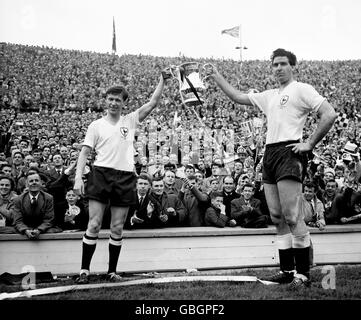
(180, 158)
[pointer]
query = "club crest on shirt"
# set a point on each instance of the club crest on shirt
(284, 100)
(124, 131)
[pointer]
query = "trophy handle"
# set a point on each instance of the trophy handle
(174, 71)
(169, 72)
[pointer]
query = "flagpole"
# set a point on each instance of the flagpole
(114, 44)
(240, 46)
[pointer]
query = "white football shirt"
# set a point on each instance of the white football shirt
(113, 144)
(287, 110)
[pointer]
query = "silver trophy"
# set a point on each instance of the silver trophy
(191, 86)
(191, 77)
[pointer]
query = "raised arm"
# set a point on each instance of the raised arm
(147, 108)
(234, 94)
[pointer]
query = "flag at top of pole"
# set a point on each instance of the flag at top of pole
(234, 32)
(114, 44)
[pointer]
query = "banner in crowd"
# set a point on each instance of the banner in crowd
(341, 121)
(246, 128)
(257, 122)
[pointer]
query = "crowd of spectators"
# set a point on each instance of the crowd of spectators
(189, 173)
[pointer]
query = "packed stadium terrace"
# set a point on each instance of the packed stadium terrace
(49, 96)
(75, 81)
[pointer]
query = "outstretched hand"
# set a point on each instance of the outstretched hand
(186, 184)
(168, 73)
(135, 219)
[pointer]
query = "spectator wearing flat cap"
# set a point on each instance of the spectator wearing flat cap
(242, 154)
(328, 174)
(353, 150)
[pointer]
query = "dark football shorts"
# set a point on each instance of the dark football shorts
(112, 186)
(280, 162)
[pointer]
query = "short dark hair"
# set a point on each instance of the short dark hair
(118, 90)
(215, 194)
(18, 152)
(243, 176)
(155, 179)
(23, 140)
(310, 184)
(213, 179)
(332, 181)
(11, 180)
(170, 166)
(284, 53)
(145, 176)
(216, 164)
(248, 184)
(57, 154)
